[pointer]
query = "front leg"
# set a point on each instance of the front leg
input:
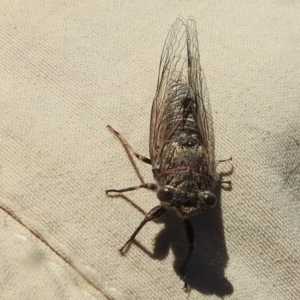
(153, 214)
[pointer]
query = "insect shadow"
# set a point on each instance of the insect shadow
(205, 270)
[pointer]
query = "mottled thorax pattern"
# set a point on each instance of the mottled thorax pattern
(183, 167)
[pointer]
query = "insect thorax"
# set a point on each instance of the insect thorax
(183, 169)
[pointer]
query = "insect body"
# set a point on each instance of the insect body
(181, 147)
(181, 139)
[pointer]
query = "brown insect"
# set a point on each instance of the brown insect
(181, 141)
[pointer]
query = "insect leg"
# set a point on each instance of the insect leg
(127, 146)
(226, 184)
(223, 160)
(189, 231)
(149, 186)
(153, 214)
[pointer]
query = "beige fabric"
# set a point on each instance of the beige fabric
(69, 68)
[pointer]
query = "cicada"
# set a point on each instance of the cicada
(181, 143)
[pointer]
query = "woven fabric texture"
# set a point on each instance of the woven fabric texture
(69, 68)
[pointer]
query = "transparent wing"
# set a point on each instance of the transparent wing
(180, 74)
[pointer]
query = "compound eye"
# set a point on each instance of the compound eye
(165, 194)
(209, 199)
